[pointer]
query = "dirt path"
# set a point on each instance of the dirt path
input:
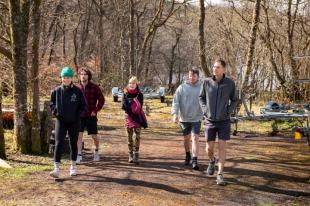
(260, 171)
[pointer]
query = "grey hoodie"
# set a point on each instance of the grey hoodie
(186, 102)
(218, 99)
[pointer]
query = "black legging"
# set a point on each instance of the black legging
(61, 129)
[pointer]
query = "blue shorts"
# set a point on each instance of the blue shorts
(219, 128)
(190, 127)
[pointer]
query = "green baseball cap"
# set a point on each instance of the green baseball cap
(66, 72)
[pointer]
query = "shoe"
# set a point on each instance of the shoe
(130, 158)
(72, 170)
(187, 159)
(55, 173)
(135, 158)
(211, 167)
(79, 159)
(96, 156)
(220, 180)
(195, 163)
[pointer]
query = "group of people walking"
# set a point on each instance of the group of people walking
(75, 107)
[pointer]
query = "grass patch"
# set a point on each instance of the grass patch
(20, 172)
(266, 204)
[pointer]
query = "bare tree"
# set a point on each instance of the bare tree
(251, 47)
(35, 131)
(2, 141)
(19, 16)
(202, 43)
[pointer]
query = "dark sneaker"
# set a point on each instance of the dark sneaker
(220, 180)
(187, 159)
(195, 164)
(211, 167)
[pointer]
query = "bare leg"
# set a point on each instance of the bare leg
(187, 141)
(195, 145)
(96, 141)
(210, 149)
(222, 155)
(79, 143)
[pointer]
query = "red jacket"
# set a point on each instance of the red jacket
(94, 98)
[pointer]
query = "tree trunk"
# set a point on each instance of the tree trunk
(251, 47)
(202, 43)
(19, 16)
(131, 37)
(35, 131)
(172, 60)
(291, 19)
(2, 141)
(64, 41)
(102, 59)
(148, 60)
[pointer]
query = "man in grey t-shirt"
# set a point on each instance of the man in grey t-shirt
(187, 112)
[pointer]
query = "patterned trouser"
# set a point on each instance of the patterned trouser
(133, 141)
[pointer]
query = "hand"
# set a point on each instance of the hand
(175, 119)
(93, 114)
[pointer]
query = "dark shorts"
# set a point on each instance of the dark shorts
(221, 128)
(190, 127)
(91, 125)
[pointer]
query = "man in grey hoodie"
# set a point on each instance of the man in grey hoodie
(187, 112)
(218, 100)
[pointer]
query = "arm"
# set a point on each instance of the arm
(233, 99)
(176, 102)
(101, 99)
(202, 97)
(83, 104)
(53, 103)
(125, 104)
(140, 98)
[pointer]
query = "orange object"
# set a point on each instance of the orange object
(297, 135)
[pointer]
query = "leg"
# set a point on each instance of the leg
(187, 141)
(195, 138)
(210, 135)
(130, 144)
(186, 130)
(60, 134)
(137, 138)
(210, 149)
(195, 145)
(224, 135)
(136, 144)
(195, 151)
(96, 141)
(80, 143)
(130, 140)
(73, 136)
(92, 129)
(80, 139)
(222, 155)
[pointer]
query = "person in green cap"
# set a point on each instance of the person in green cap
(67, 103)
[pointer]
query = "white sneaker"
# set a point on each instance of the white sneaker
(55, 173)
(79, 159)
(96, 156)
(73, 170)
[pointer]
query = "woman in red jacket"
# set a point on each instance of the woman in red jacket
(132, 103)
